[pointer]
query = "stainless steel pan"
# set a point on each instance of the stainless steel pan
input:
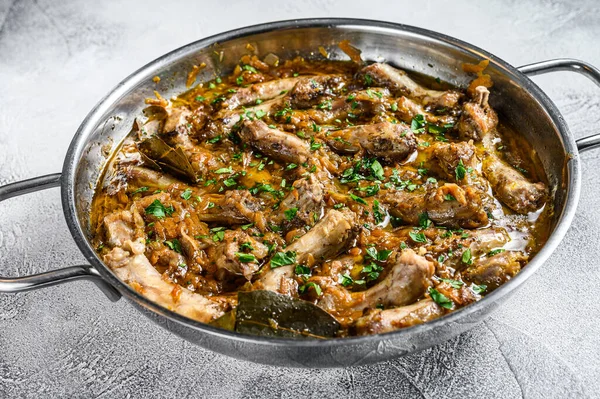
(519, 101)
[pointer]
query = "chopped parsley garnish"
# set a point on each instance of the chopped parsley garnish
(249, 68)
(358, 199)
(372, 270)
(417, 237)
(449, 197)
(219, 234)
(418, 124)
(380, 256)
(224, 170)
(291, 166)
(214, 140)
(347, 281)
(424, 221)
(302, 270)
(247, 246)
(453, 283)
(495, 251)
(314, 145)
(377, 169)
(460, 170)
(440, 298)
(259, 113)
(303, 289)
(247, 226)
(466, 257)
(245, 258)
(140, 190)
(290, 213)
(174, 244)
(378, 214)
(200, 99)
(283, 259)
(187, 194)
(157, 209)
(478, 289)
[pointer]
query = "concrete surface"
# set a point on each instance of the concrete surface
(58, 58)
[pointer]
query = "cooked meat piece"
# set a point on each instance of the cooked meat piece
(356, 104)
(131, 266)
(392, 142)
(307, 198)
(477, 118)
(275, 143)
(450, 155)
(122, 226)
(479, 242)
(326, 239)
(453, 206)
(407, 281)
(233, 207)
(512, 188)
(226, 120)
(260, 91)
(144, 177)
(308, 91)
(399, 82)
(228, 257)
(495, 270)
(408, 109)
(176, 120)
(381, 321)
(448, 205)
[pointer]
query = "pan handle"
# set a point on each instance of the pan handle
(573, 65)
(47, 279)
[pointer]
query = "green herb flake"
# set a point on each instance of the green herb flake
(460, 170)
(495, 252)
(417, 236)
(417, 125)
(174, 244)
(140, 190)
(466, 257)
(453, 283)
(424, 221)
(283, 259)
(214, 140)
(377, 169)
(187, 194)
(314, 145)
(478, 289)
(245, 258)
(224, 170)
(290, 213)
(303, 289)
(302, 270)
(157, 209)
(358, 199)
(440, 298)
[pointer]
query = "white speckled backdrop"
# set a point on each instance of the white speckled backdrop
(57, 58)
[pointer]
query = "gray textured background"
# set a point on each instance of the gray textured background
(58, 58)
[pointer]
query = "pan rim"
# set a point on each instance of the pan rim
(93, 118)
